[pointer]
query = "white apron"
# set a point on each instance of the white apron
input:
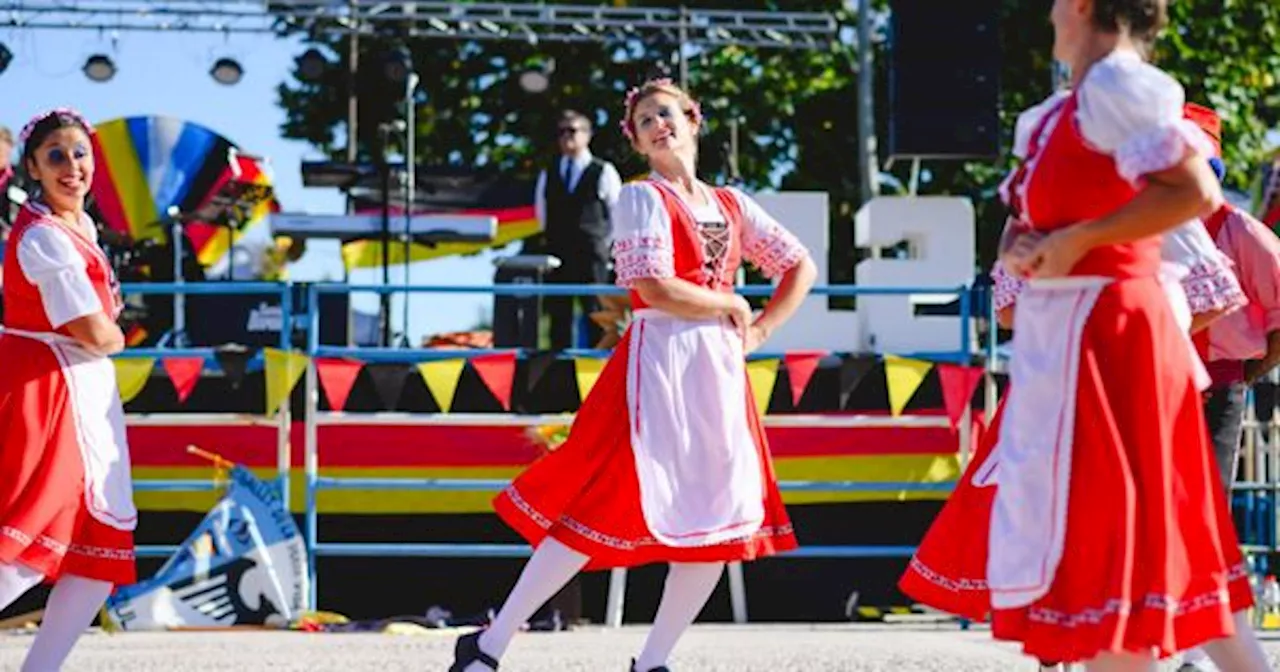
(699, 470)
(1029, 513)
(100, 429)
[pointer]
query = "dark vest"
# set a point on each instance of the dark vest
(577, 221)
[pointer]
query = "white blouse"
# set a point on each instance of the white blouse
(50, 260)
(643, 245)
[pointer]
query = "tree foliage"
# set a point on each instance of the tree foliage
(796, 110)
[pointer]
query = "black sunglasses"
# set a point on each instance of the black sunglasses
(569, 130)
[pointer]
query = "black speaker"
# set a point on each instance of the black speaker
(944, 79)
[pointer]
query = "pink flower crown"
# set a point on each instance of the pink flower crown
(57, 112)
(695, 110)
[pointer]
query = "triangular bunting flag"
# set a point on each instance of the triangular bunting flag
(762, 373)
(388, 381)
(498, 371)
(283, 369)
(853, 368)
(587, 371)
(902, 377)
(958, 384)
(442, 378)
(233, 360)
(183, 372)
(337, 377)
(536, 366)
(800, 367)
(132, 374)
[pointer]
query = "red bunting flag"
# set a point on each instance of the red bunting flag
(958, 384)
(800, 367)
(184, 373)
(498, 371)
(337, 377)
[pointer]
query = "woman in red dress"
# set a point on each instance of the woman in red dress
(66, 498)
(666, 460)
(1107, 542)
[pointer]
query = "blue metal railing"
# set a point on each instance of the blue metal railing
(283, 460)
(315, 483)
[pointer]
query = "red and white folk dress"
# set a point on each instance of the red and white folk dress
(66, 496)
(1104, 533)
(667, 460)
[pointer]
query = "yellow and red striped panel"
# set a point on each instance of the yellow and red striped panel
(923, 456)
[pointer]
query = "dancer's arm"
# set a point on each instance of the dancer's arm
(779, 255)
(50, 261)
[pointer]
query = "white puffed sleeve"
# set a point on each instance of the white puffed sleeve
(50, 261)
(1133, 111)
(642, 244)
(1206, 274)
(765, 243)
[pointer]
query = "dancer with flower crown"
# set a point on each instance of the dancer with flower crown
(666, 460)
(66, 500)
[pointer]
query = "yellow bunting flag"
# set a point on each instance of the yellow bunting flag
(442, 378)
(132, 374)
(587, 370)
(283, 370)
(902, 376)
(762, 373)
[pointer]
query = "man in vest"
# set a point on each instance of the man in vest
(573, 199)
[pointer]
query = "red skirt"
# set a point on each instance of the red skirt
(44, 522)
(1151, 559)
(586, 493)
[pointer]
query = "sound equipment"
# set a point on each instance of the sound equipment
(944, 79)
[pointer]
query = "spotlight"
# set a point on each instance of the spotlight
(226, 71)
(99, 68)
(537, 80)
(6, 57)
(397, 65)
(311, 65)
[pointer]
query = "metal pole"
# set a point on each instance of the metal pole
(353, 70)
(734, 175)
(866, 102)
(684, 39)
(384, 298)
(410, 189)
(180, 297)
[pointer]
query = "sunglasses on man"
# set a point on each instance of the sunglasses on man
(570, 130)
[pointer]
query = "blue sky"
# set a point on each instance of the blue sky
(167, 74)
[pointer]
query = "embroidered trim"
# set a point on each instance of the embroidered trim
(617, 543)
(953, 585)
(774, 251)
(1158, 149)
(1211, 287)
(642, 256)
(58, 548)
(1152, 601)
(1005, 291)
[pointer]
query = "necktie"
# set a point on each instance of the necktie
(568, 173)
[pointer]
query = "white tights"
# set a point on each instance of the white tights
(74, 602)
(687, 589)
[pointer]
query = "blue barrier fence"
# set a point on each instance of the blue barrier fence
(283, 420)
(1257, 499)
(315, 483)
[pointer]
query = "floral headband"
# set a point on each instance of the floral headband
(57, 112)
(633, 94)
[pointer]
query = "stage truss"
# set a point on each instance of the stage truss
(470, 21)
